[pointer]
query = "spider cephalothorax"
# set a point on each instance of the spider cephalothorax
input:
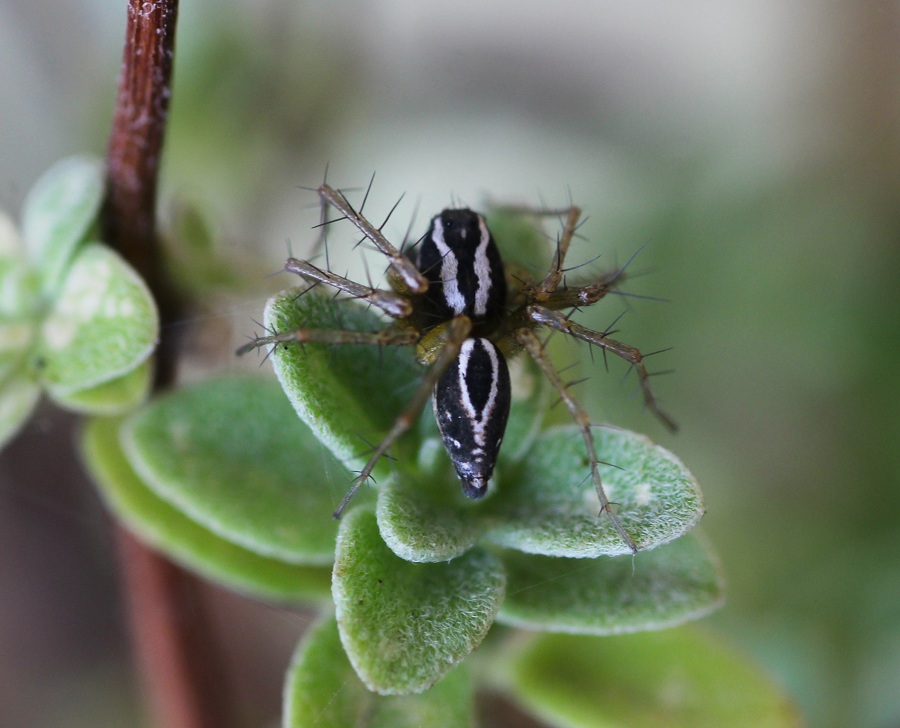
(453, 300)
(459, 258)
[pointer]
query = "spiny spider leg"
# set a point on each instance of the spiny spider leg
(554, 276)
(403, 266)
(534, 348)
(559, 321)
(393, 304)
(386, 337)
(590, 293)
(457, 332)
(582, 295)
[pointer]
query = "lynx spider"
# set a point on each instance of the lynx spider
(466, 312)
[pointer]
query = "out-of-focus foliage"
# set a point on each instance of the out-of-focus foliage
(76, 321)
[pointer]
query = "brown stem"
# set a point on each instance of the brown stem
(133, 155)
(172, 639)
(135, 144)
(171, 636)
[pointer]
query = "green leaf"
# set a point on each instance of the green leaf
(610, 595)
(19, 395)
(59, 213)
(405, 625)
(103, 325)
(18, 304)
(114, 397)
(322, 690)
(16, 343)
(425, 518)
(18, 285)
(672, 678)
(232, 456)
(166, 528)
(549, 505)
(348, 395)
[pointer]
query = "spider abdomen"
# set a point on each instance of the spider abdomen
(471, 406)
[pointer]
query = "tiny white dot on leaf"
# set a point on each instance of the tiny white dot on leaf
(643, 494)
(118, 307)
(126, 308)
(85, 293)
(591, 500)
(59, 332)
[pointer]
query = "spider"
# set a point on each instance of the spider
(452, 297)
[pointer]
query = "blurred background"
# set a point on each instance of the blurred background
(754, 148)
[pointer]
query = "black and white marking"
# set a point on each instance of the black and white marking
(460, 259)
(471, 406)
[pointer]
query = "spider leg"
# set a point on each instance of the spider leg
(590, 293)
(582, 295)
(456, 333)
(560, 322)
(402, 266)
(554, 276)
(324, 221)
(393, 304)
(533, 346)
(391, 336)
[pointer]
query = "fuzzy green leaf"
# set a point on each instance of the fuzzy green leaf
(405, 625)
(348, 395)
(19, 394)
(166, 528)
(322, 690)
(549, 506)
(103, 325)
(610, 595)
(18, 304)
(675, 678)
(16, 342)
(232, 455)
(59, 213)
(425, 517)
(114, 397)
(18, 285)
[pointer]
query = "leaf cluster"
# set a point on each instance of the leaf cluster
(76, 321)
(225, 478)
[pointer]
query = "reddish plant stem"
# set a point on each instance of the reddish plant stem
(139, 124)
(172, 638)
